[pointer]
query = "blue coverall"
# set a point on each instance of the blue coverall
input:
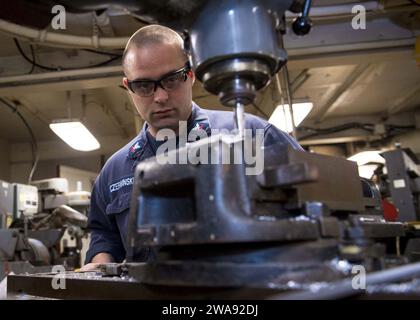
(111, 193)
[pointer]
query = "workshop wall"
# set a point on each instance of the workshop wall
(55, 153)
(19, 172)
(409, 140)
(4, 160)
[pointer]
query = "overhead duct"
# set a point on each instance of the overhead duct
(56, 39)
(339, 9)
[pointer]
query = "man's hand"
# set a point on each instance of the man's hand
(97, 260)
(90, 267)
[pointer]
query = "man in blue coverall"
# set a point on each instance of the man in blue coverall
(159, 80)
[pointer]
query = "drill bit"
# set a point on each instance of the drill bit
(239, 117)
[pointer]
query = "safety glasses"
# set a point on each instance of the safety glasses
(168, 82)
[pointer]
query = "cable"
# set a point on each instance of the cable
(370, 127)
(59, 68)
(29, 60)
(103, 53)
(33, 59)
(345, 126)
(95, 65)
(285, 72)
(353, 125)
(34, 143)
(401, 127)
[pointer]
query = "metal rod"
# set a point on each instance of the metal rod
(306, 8)
(239, 111)
(344, 288)
(285, 72)
(68, 103)
(288, 91)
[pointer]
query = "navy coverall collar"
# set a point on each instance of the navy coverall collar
(141, 146)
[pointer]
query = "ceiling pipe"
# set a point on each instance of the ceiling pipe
(340, 9)
(346, 9)
(61, 40)
(56, 39)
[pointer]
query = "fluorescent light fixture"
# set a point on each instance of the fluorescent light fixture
(75, 134)
(367, 170)
(366, 157)
(282, 118)
(368, 162)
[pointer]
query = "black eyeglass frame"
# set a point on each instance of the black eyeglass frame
(184, 70)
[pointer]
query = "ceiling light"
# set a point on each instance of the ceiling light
(367, 162)
(366, 157)
(367, 170)
(75, 134)
(282, 118)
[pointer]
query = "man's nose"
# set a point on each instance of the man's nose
(160, 95)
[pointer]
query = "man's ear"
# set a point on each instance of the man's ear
(125, 82)
(191, 74)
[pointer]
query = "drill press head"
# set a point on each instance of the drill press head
(236, 48)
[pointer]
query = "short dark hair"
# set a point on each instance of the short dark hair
(154, 34)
